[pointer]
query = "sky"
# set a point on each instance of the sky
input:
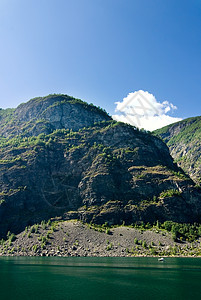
(104, 52)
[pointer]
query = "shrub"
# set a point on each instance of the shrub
(174, 236)
(152, 251)
(109, 247)
(34, 248)
(32, 229)
(169, 193)
(135, 241)
(107, 231)
(43, 224)
(11, 237)
(144, 244)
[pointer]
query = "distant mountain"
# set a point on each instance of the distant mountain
(184, 141)
(62, 157)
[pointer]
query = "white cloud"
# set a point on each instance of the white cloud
(141, 109)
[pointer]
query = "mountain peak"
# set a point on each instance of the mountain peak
(45, 114)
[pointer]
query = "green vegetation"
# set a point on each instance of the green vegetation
(180, 231)
(34, 248)
(190, 129)
(169, 193)
(11, 237)
(144, 244)
(100, 228)
(184, 140)
(34, 228)
(136, 241)
(43, 239)
(188, 232)
(180, 174)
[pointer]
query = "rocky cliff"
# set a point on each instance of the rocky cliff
(62, 157)
(184, 141)
(46, 114)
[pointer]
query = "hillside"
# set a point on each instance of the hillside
(62, 157)
(184, 141)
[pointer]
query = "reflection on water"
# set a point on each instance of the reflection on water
(100, 278)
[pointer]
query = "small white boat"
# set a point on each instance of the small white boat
(161, 259)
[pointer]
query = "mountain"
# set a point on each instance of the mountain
(60, 157)
(184, 141)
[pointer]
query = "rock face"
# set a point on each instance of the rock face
(44, 115)
(184, 141)
(108, 171)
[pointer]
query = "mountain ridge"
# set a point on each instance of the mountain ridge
(183, 140)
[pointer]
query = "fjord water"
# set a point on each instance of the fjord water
(99, 278)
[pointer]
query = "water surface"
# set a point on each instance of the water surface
(23, 278)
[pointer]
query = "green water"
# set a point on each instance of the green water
(99, 278)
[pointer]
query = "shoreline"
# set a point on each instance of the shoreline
(131, 256)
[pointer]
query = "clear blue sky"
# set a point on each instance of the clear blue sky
(100, 50)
